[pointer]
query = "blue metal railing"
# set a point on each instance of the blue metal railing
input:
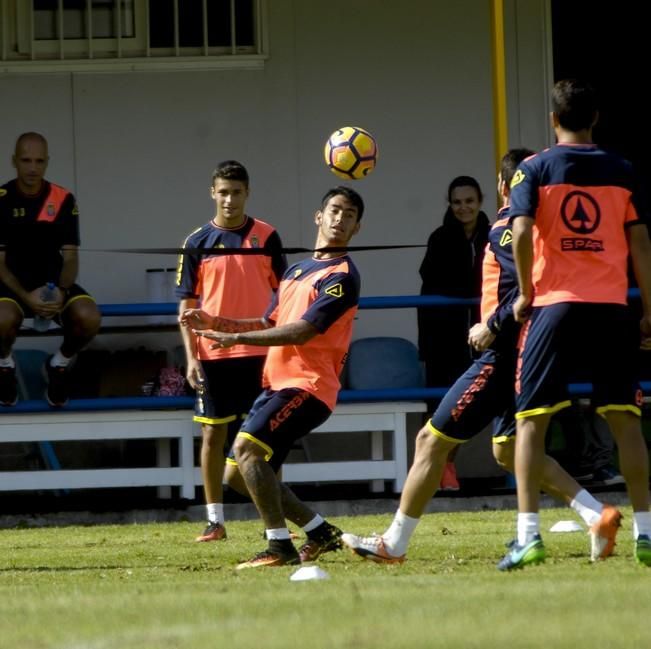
(370, 302)
(187, 402)
(345, 396)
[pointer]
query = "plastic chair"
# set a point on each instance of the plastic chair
(384, 362)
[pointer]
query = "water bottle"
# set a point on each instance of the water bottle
(47, 295)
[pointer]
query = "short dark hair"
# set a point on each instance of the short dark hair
(464, 181)
(231, 170)
(30, 135)
(575, 104)
(347, 192)
(510, 161)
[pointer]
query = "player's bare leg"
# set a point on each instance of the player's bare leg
(556, 481)
(422, 482)
(213, 438)
(322, 536)
(425, 473)
(633, 456)
(265, 491)
(634, 465)
(81, 321)
(529, 469)
(529, 460)
(603, 520)
(10, 321)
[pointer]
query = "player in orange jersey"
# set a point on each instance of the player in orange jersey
(576, 219)
(483, 393)
(307, 328)
(227, 381)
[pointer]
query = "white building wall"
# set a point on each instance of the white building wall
(138, 148)
(529, 68)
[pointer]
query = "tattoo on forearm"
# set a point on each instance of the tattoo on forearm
(237, 326)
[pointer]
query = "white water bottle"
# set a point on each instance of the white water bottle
(47, 295)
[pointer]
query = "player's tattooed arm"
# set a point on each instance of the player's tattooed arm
(229, 325)
(292, 333)
(198, 320)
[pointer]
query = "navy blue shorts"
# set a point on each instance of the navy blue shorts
(483, 394)
(279, 418)
(570, 341)
(230, 387)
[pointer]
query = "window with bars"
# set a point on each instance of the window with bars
(116, 30)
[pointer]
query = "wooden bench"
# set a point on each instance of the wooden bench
(125, 419)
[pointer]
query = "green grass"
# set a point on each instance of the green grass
(142, 586)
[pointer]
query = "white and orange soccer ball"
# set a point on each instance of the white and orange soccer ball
(351, 153)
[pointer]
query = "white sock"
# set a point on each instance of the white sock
(587, 507)
(641, 524)
(8, 362)
(59, 360)
(528, 526)
(397, 537)
(215, 512)
(280, 534)
(313, 524)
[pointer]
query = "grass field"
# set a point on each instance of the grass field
(151, 586)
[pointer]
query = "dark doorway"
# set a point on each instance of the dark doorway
(608, 44)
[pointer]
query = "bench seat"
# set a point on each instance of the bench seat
(34, 421)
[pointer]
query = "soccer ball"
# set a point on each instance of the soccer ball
(351, 153)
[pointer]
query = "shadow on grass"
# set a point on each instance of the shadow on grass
(88, 568)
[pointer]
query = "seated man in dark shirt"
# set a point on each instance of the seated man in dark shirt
(39, 239)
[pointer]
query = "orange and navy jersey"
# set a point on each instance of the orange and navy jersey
(33, 230)
(499, 288)
(231, 285)
(325, 293)
(582, 200)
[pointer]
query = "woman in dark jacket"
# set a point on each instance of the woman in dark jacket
(452, 267)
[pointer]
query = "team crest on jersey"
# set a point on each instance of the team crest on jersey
(335, 291)
(518, 177)
(255, 242)
(580, 212)
(507, 238)
(298, 272)
(50, 209)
